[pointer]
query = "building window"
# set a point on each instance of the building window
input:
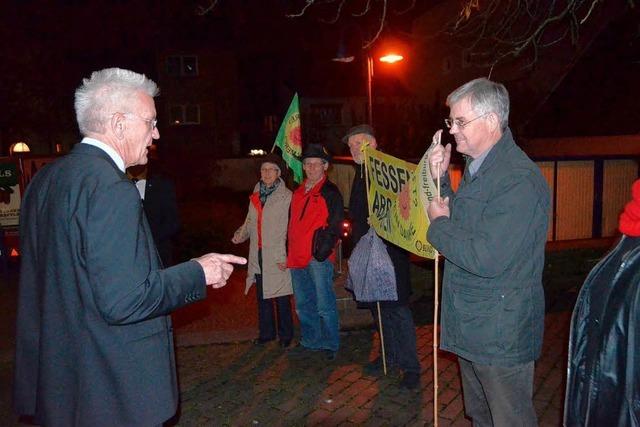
(446, 65)
(270, 123)
(466, 58)
(326, 114)
(182, 65)
(185, 114)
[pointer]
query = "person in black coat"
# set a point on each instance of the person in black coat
(94, 341)
(397, 319)
(603, 378)
(158, 194)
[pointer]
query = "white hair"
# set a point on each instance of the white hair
(105, 92)
(485, 97)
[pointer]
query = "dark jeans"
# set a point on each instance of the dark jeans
(267, 318)
(399, 337)
(498, 395)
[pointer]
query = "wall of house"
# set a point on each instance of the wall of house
(587, 195)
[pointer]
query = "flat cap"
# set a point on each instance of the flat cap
(366, 129)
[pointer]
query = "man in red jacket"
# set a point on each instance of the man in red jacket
(314, 228)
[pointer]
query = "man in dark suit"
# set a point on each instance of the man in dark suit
(94, 343)
(158, 194)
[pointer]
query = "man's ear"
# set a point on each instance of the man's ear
(494, 122)
(117, 125)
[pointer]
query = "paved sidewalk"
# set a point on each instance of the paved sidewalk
(241, 384)
(238, 384)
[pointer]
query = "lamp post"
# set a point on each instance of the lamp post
(389, 58)
(19, 148)
(369, 88)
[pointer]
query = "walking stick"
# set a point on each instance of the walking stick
(435, 322)
(366, 180)
(436, 299)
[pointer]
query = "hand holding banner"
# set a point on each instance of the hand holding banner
(399, 193)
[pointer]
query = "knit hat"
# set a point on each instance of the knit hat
(630, 217)
(274, 159)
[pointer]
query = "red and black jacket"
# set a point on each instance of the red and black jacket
(319, 208)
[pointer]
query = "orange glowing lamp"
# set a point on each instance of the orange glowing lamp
(391, 58)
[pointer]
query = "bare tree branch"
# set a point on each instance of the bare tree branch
(366, 10)
(304, 9)
(411, 5)
(203, 10)
(382, 21)
(337, 15)
(493, 31)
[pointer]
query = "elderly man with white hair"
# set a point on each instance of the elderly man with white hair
(94, 344)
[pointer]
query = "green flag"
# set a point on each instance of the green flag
(289, 139)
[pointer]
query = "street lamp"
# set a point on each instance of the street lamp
(390, 58)
(19, 148)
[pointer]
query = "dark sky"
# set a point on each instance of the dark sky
(49, 46)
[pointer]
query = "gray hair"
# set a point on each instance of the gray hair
(485, 97)
(108, 91)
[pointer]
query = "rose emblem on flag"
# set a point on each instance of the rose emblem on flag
(404, 202)
(295, 139)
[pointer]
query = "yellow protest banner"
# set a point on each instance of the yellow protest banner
(399, 193)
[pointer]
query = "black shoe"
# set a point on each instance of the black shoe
(299, 351)
(330, 355)
(373, 368)
(285, 343)
(410, 380)
(262, 341)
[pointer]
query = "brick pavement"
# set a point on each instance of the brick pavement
(236, 383)
(242, 384)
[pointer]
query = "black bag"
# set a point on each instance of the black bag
(323, 243)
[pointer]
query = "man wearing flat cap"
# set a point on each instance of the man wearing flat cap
(397, 320)
(314, 229)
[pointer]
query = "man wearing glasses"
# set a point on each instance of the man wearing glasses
(492, 233)
(94, 344)
(315, 216)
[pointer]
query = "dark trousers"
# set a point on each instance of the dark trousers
(399, 334)
(267, 316)
(498, 395)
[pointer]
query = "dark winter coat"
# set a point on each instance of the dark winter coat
(603, 375)
(494, 241)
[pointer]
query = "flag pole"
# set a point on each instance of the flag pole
(435, 321)
(378, 308)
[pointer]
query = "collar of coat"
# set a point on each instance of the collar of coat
(504, 144)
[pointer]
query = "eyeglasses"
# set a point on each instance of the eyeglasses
(268, 169)
(152, 122)
(461, 123)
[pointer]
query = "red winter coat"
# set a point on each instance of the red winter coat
(320, 207)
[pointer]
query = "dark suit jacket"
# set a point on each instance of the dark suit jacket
(94, 340)
(162, 213)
